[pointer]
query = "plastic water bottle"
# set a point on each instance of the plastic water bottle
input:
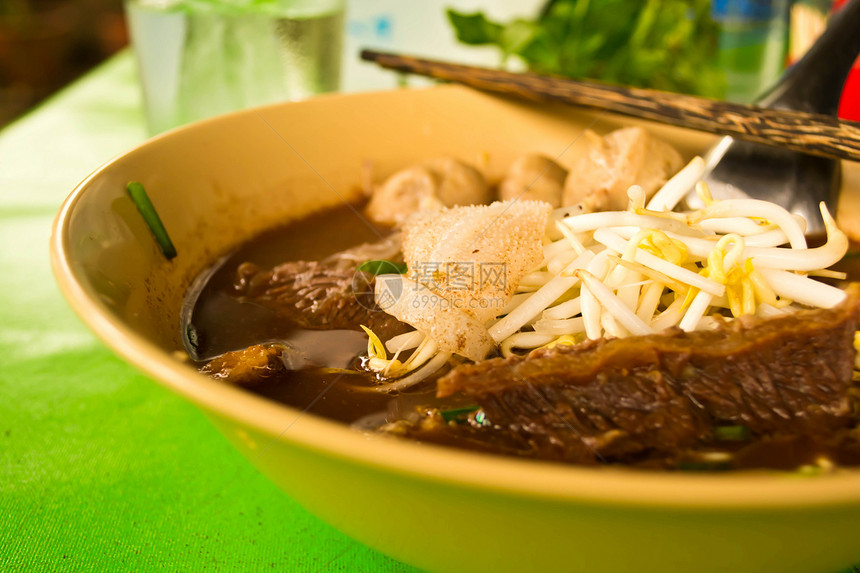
(753, 44)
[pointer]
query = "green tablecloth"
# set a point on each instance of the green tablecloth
(102, 469)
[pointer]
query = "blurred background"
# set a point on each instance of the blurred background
(728, 49)
(45, 44)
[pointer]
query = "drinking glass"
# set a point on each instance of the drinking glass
(199, 58)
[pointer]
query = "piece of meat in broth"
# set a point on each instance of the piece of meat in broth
(249, 366)
(534, 177)
(600, 177)
(442, 182)
(663, 393)
(316, 296)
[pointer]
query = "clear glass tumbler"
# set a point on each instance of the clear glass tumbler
(199, 58)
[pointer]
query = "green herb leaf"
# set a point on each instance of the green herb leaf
(661, 44)
(457, 414)
(150, 216)
(474, 29)
(516, 36)
(382, 267)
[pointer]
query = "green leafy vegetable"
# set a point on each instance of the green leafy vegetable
(150, 216)
(475, 28)
(382, 267)
(668, 45)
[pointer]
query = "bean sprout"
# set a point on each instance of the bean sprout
(405, 341)
(524, 340)
(564, 310)
(642, 270)
(678, 186)
(541, 299)
(803, 289)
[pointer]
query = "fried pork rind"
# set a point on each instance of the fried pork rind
(476, 256)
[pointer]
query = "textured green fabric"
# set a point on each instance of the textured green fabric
(102, 469)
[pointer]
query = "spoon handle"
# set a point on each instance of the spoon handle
(815, 82)
(813, 133)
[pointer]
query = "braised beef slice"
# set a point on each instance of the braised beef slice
(314, 295)
(247, 367)
(661, 394)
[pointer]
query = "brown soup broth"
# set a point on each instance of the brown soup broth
(219, 323)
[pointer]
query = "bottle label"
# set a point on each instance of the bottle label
(743, 9)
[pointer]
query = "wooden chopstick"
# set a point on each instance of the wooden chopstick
(811, 133)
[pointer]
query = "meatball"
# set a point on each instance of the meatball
(443, 182)
(459, 183)
(534, 177)
(600, 177)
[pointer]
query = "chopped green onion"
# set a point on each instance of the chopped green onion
(150, 216)
(382, 267)
(457, 414)
(737, 433)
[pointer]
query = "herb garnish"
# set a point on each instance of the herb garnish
(382, 267)
(150, 216)
(669, 45)
(457, 415)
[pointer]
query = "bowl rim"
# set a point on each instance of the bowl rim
(528, 479)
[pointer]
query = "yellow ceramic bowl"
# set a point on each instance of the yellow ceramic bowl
(221, 181)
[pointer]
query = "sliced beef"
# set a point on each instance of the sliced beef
(315, 295)
(247, 367)
(661, 394)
